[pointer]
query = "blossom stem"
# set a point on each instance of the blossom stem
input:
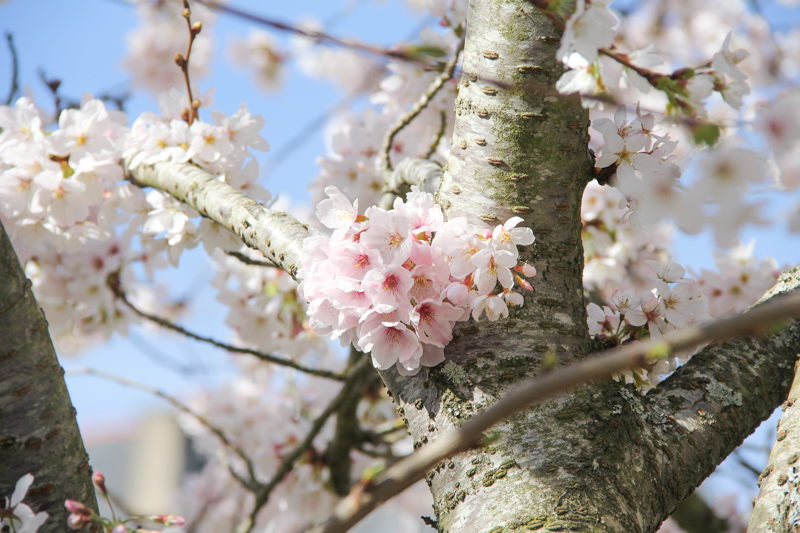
(416, 109)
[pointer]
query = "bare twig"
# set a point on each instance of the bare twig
(408, 471)
(439, 135)
(183, 62)
(355, 374)
(14, 68)
(311, 34)
(249, 484)
(115, 286)
(252, 262)
(416, 109)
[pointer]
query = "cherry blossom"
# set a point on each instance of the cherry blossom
(18, 516)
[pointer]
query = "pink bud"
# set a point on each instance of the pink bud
(167, 520)
(486, 233)
(120, 528)
(100, 481)
(525, 284)
(77, 508)
(526, 270)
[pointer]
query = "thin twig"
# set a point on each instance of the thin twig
(183, 61)
(416, 109)
(14, 68)
(636, 355)
(251, 484)
(115, 286)
(355, 374)
(250, 261)
(311, 34)
(439, 135)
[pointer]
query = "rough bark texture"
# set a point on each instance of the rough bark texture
(38, 430)
(777, 507)
(277, 235)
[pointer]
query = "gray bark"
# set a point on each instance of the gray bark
(38, 431)
(777, 507)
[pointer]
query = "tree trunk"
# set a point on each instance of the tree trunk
(602, 458)
(777, 507)
(38, 431)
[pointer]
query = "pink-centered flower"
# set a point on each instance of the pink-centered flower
(390, 343)
(433, 320)
(389, 233)
(387, 288)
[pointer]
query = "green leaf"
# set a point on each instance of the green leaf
(707, 134)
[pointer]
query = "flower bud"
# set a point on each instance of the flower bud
(77, 508)
(167, 520)
(99, 481)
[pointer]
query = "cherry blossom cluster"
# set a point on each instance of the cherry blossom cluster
(675, 302)
(395, 282)
(591, 28)
(353, 162)
(649, 179)
(624, 269)
(263, 307)
(17, 516)
(63, 200)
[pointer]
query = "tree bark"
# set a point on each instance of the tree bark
(777, 507)
(38, 431)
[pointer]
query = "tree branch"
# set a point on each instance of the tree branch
(406, 472)
(354, 375)
(311, 34)
(248, 484)
(416, 109)
(116, 288)
(14, 69)
(778, 502)
(704, 410)
(277, 235)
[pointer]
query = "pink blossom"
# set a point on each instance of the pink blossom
(494, 306)
(389, 233)
(508, 236)
(433, 321)
(388, 288)
(491, 266)
(390, 343)
(336, 212)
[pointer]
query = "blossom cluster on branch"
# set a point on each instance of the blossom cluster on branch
(395, 282)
